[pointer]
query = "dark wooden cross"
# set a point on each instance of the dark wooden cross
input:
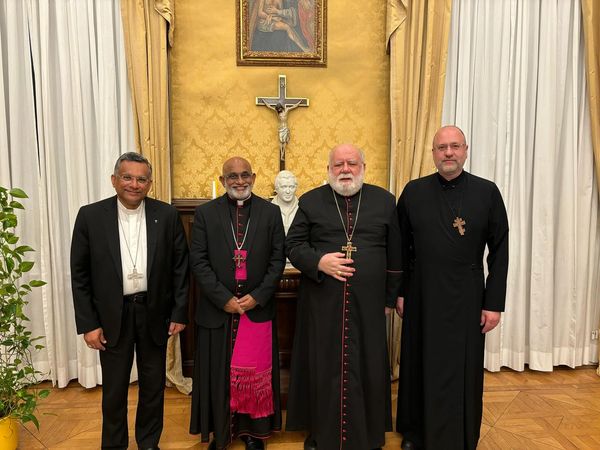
(238, 259)
(459, 223)
(282, 105)
(349, 249)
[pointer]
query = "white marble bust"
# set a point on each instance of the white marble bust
(285, 187)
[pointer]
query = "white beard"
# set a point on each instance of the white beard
(346, 189)
(236, 195)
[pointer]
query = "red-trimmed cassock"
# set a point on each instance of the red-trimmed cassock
(236, 366)
(340, 377)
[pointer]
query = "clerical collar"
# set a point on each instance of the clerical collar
(451, 184)
(235, 202)
(127, 211)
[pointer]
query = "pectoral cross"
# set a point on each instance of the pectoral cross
(459, 223)
(135, 276)
(239, 259)
(349, 249)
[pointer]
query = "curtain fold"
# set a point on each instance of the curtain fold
(417, 40)
(65, 121)
(148, 28)
(516, 85)
(591, 33)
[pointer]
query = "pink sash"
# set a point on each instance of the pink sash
(251, 365)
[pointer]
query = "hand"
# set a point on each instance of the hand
(489, 320)
(247, 302)
(388, 310)
(400, 306)
(175, 328)
(95, 339)
(334, 264)
(233, 307)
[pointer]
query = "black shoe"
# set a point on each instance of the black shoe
(310, 443)
(212, 445)
(408, 445)
(148, 448)
(253, 443)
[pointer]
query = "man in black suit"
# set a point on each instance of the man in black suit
(237, 258)
(129, 269)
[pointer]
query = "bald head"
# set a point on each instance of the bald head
(449, 128)
(450, 151)
(237, 179)
(234, 163)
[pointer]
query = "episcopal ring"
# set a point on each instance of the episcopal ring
(339, 273)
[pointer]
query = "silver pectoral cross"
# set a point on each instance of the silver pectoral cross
(135, 276)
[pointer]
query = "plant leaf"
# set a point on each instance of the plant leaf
(37, 283)
(26, 266)
(18, 193)
(16, 204)
(21, 249)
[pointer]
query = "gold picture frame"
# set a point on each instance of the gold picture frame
(281, 33)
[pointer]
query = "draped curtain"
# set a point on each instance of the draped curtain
(148, 29)
(516, 84)
(417, 39)
(66, 119)
(591, 29)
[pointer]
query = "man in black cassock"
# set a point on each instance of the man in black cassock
(447, 219)
(237, 258)
(344, 240)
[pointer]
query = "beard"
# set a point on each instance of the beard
(346, 188)
(239, 195)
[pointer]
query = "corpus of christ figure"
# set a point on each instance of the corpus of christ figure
(282, 105)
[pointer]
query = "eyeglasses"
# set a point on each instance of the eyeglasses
(245, 176)
(129, 179)
(453, 146)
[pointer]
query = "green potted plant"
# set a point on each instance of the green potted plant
(17, 401)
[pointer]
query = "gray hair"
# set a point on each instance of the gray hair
(361, 153)
(134, 157)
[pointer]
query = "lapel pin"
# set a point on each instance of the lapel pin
(155, 220)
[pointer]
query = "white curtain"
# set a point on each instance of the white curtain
(516, 85)
(66, 119)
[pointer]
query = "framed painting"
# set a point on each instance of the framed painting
(281, 33)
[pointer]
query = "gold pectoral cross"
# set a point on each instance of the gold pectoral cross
(135, 276)
(349, 249)
(238, 259)
(459, 223)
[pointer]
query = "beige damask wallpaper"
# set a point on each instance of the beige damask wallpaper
(214, 115)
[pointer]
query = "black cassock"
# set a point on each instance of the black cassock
(340, 378)
(441, 363)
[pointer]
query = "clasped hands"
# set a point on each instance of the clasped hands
(240, 305)
(336, 265)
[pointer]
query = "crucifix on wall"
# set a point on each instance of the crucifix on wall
(282, 105)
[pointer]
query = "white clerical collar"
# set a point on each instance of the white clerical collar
(240, 203)
(130, 212)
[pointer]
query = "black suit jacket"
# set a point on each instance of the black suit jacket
(97, 275)
(211, 258)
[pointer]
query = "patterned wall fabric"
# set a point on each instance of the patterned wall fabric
(214, 115)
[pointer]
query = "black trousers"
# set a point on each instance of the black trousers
(116, 365)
